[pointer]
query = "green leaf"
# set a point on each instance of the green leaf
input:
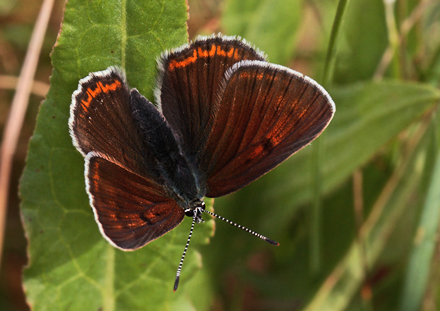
(419, 266)
(345, 281)
(71, 266)
(365, 41)
(265, 23)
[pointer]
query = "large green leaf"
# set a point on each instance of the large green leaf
(419, 267)
(71, 266)
(364, 40)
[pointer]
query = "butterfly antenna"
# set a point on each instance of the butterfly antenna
(176, 282)
(243, 228)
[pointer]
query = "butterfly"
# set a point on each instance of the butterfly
(223, 117)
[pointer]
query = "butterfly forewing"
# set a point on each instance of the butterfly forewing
(188, 85)
(130, 209)
(266, 114)
(101, 119)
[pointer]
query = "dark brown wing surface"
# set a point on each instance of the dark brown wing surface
(189, 81)
(101, 119)
(266, 113)
(130, 210)
(130, 202)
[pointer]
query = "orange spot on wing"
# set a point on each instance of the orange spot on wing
(202, 53)
(92, 93)
(178, 64)
(246, 75)
(224, 53)
(111, 87)
(236, 55)
(212, 51)
(220, 51)
(206, 53)
(257, 152)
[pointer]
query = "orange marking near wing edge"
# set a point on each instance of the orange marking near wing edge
(246, 75)
(222, 52)
(177, 64)
(209, 53)
(200, 52)
(100, 88)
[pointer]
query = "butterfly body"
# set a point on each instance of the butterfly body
(174, 169)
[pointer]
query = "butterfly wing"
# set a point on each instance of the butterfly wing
(101, 119)
(266, 113)
(235, 116)
(188, 85)
(131, 204)
(130, 210)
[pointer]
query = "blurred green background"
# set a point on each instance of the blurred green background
(356, 214)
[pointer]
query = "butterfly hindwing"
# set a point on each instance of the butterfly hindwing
(131, 210)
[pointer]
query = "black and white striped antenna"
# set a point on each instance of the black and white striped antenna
(243, 228)
(176, 282)
(197, 213)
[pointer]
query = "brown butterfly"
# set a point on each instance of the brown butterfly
(224, 118)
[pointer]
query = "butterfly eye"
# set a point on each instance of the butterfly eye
(189, 212)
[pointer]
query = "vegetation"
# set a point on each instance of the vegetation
(356, 212)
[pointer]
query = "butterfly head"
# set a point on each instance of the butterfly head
(195, 208)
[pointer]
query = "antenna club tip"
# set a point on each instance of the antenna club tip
(272, 242)
(176, 283)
